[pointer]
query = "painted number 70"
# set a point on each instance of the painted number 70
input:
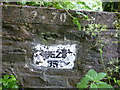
(62, 16)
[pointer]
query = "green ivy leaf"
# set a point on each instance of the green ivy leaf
(9, 81)
(5, 83)
(6, 76)
(90, 78)
(0, 80)
(85, 5)
(93, 85)
(118, 81)
(100, 76)
(104, 85)
(58, 6)
(14, 86)
(13, 77)
(1, 88)
(92, 74)
(85, 80)
(82, 85)
(69, 5)
(76, 22)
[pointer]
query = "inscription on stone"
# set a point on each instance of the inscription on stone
(56, 56)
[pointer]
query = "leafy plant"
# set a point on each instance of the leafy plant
(116, 81)
(92, 80)
(8, 81)
(95, 5)
(114, 66)
(113, 70)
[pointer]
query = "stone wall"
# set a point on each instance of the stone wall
(24, 27)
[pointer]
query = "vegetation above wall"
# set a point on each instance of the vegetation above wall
(95, 5)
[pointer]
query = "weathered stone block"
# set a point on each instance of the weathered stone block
(58, 17)
(32, 81)
(64, 73)
(57, 81)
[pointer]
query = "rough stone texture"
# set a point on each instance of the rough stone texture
(24, 26)
(0, 40)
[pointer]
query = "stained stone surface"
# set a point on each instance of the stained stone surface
(25, 27)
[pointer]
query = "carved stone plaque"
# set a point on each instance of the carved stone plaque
(55, 56)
